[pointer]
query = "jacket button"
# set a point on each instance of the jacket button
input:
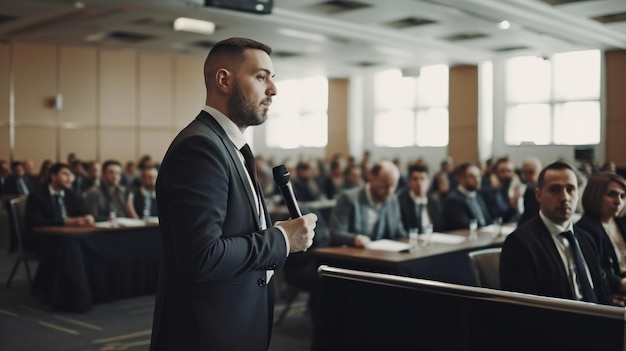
(273, 266)
(261, 282)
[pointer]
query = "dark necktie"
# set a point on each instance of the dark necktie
(581, 273)
(420, 221)
(59, 208)
(250, 164)
(379, 228)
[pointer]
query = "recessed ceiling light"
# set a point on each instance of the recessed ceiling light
(504, 25)
(302, 35)
(194, 25)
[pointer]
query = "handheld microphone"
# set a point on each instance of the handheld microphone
(281, 178)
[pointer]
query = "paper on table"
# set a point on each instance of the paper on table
(130, 222)
(387, 245)
(442, 238)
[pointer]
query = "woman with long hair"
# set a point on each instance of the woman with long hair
(603, 203)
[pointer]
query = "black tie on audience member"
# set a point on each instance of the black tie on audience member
(420, 219)
(587, 290)
(58, 208)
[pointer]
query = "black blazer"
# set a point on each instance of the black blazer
(531, 205)
(456, 212)
(212, 292)
(608, 258)
(39, 211)
(139, 204)
(409, 215)
(530, 263)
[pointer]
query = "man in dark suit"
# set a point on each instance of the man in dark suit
(55, 204)
(18, 183)
(370, 212)
(546, 256)
(530, 174)
(219, 248)
(465, 203)
(142, 201)
(502, 194)
(419, 209)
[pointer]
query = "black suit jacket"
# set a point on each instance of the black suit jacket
(10, 185)
(456, 212)
(409, 214)
(212, 292)
(530, 263)
(608, 258)
(39, 212)
(531, 205)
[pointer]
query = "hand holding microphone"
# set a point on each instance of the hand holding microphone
(299, 228)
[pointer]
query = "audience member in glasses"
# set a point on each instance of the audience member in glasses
(370, 212)
(603, 202)
(546, 255)
(465, 203)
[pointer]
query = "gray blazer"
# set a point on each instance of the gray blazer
(349, 217)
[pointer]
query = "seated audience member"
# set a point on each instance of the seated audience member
(129, 177)
(29, 171)
(530, 174)
(465, 203)
(603, 201)
(81, 182)
(108, 197)
(333, 183)
(352, 177)
(419, 209)
(142, 202)
(546, 255)
(44, 170)
(503, 195)
(305, 186)
(94, 173)
(56, 203)
(443, 180)
(18, 183)
(5, 173)
(370, 212)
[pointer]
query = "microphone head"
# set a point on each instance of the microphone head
(281, 175)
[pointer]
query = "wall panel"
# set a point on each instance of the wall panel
(5, 151)
(36, 143)
(155, 90)
(154, 143)
(337, 117)
(81, 141)
(118, 144)
(189, 93)
(117, 81)
(463, 107)
(616, 107)
(35, 83)
(77, 84)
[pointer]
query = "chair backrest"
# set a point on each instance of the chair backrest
(18, 211)
(486, 267)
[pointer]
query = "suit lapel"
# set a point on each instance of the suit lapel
(206, 118)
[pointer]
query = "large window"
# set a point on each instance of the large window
(411, 110)
(553, 101)
(299, 114)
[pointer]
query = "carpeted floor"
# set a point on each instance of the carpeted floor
(27, 324)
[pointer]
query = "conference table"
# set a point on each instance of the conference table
(444, 258)
(83, 266)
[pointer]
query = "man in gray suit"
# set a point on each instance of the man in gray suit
(370, 212)
(108, 197)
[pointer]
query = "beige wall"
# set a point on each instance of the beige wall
(117, 104)
(337, 117)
